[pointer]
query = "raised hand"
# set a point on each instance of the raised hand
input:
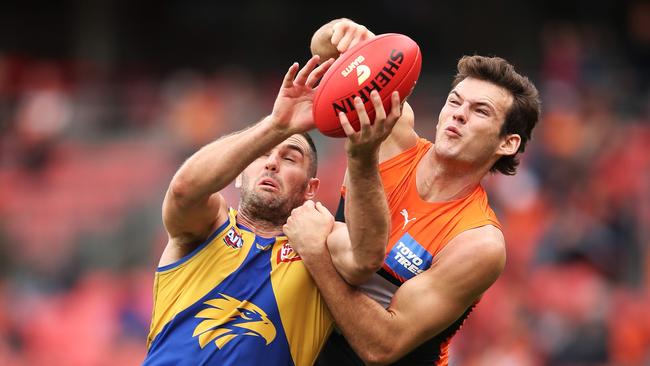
(292, 110)
(367, 140)
(336, 37)
(346, 34)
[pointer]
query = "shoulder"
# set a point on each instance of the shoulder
(466, 267)
(483, 249)
(183, 243)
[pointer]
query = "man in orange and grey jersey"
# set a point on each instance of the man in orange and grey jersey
(446, 247)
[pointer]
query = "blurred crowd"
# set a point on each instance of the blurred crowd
(86, 154)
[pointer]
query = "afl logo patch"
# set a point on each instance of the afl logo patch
(233, 238)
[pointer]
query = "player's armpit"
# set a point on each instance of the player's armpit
(355, 270)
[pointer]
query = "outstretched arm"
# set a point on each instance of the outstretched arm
(193, 208)
(361, 252)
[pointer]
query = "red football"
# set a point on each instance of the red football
(385, 63)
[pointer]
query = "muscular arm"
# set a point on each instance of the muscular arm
(422, 307)
(360, 251)
(193, 207)
(367, 217)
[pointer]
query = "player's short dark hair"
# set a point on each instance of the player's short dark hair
(526, 106)
(313, 155)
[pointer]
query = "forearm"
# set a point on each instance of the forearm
(218, 163)
(366, 213)
(368, 327)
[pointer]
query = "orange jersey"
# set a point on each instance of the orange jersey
(419, 231)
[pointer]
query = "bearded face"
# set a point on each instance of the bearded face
(277, 182)
(268, 198)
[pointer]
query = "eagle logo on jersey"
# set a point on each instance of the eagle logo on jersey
(227, 318)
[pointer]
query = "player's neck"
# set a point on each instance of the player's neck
(440, 181)
(259, 227)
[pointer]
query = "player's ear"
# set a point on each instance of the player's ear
(509, 145)
(312, 188)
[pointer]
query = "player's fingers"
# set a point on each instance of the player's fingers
(380, 113)
(301, 79)
(322, 209)
(396, 105)
(290, 75)
(318, 73)
(360, 35)
(364, 120)
(395, 111)
(338, 31)
(366, 34)
(344, 43)
(345, 125)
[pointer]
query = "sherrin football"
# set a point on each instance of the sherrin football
(385, 63)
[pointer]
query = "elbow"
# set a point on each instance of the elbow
(379, 355)
(364, 270)
(180, 191)
(372, 265)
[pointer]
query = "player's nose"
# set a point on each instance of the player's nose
(271, 162)
(460, 113)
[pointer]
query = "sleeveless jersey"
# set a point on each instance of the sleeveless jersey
(419, 230)
(237, 299)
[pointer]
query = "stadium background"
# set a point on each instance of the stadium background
(100, 101)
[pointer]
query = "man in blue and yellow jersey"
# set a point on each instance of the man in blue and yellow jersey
(229, 289)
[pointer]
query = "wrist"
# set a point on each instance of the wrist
(276, 127)
(363, 159)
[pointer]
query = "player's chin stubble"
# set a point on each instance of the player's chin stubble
(266, 207)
